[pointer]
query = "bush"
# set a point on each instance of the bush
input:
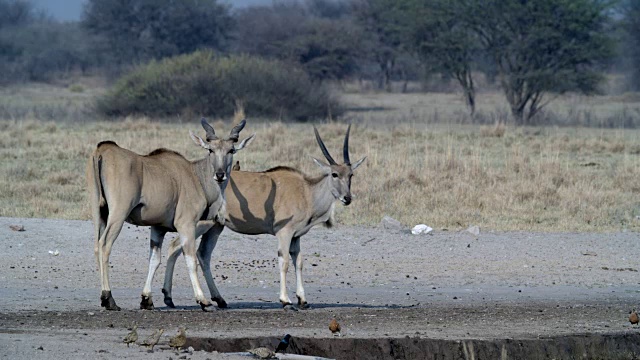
(203, 84)
(76, 88)
(136, 31)
(43, 51)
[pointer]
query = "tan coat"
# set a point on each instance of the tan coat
(162, 190)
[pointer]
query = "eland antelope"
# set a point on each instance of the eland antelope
(162, 190)
(281, 201)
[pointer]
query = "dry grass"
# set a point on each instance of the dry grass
(421, 167)
(445, 176)
(48, 102)
(497, 130)
(449, 108)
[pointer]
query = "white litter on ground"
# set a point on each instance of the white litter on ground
(421, 229)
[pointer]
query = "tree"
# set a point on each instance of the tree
(384, 23)
(44, 50)
(329, 9)
(631, 50)
(328, 48)
(15, 13)
(541, 47)
(139, 30)
(269, 30)
(442, 39)
(325, 45)
(33, 47)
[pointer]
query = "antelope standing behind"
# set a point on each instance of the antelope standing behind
(281, 201)
(162, 190)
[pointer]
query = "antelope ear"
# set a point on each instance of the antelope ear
(244, 142)
(326, 168)
(198, 140)
(354, 166)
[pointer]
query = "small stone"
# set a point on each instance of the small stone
(390, 223)
(91, 313)
(474, 230)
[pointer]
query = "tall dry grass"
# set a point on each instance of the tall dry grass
(383, 110)
(73, 102)
(550, 179)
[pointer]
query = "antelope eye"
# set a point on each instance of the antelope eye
(335, 175)
(232, 151)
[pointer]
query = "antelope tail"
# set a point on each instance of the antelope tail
(99, 210)
(94, 183)
(97, 160)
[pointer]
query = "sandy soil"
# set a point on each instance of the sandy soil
(376, 282)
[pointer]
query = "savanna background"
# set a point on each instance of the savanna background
(508, 115)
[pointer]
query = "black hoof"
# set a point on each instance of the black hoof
(107, 302)
(205, 306)
(167, 299)
(169, 303)
(221, 303)
(289, 307)
(303, 305)
(146, 303)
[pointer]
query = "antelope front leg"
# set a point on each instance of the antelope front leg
(175, 249)
(187, 238)
(155, 246)
(284, 243)
(207, 244)
(294, 251)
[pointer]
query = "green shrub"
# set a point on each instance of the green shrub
(43, 51)
(76, 88)
(203, 84)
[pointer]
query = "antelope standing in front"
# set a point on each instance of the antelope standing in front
(162, 190)
(281, 201)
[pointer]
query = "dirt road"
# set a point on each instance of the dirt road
(378, 283)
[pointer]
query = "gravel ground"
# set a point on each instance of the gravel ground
(378, 283)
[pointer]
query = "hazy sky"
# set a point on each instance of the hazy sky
(66, 10)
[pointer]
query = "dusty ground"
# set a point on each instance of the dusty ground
(377, 283)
